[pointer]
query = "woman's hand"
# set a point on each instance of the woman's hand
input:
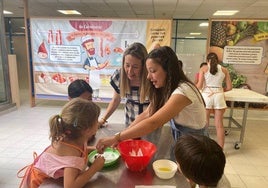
(106, 142)
(102, 122)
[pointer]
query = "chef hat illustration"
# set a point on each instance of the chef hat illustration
(86, 39)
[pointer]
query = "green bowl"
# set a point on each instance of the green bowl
(111, 156)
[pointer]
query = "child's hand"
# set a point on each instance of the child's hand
(98, 162)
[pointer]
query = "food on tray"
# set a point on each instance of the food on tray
(44, 78)
(59, 78)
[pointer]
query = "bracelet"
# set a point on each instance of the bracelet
(117, 136)
(105, 121)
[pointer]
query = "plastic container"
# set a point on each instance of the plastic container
(164, 168)
(111, 156)
(136, 153)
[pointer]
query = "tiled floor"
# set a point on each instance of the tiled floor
(26, 130)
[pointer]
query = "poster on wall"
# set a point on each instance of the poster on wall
(64, 50)
(243, 45)
(239, 41)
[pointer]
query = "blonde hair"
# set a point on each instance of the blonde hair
(76, 116)
(139, 51)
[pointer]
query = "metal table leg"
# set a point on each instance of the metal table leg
(243, 127)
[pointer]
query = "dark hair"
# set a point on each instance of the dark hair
(213, 58)
(168, 59)
(139, 51)
(203, 64)
(76, 116)
(200, 158)
(78, 87)
(180, 63)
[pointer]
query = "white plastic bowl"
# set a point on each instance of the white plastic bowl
(164, 168)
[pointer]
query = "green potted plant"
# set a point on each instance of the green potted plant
(238, 80)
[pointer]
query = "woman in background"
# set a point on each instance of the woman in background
(213, 81)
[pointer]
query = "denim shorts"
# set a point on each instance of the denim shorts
(179, 130)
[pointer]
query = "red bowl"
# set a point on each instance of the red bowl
(136, 153)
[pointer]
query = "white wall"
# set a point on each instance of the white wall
(192, 53)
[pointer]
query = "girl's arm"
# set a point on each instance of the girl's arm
(114, 103)
(173, 106)
(196, 78)
(73, 177)
(200, 82)
(228, 81)
(90, 148)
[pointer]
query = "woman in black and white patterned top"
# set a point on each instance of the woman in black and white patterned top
(128, 82)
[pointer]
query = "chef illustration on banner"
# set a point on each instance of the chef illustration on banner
(92, 65)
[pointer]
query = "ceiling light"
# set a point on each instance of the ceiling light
(189, 37)
(69, 12)
(195, 33)
(204, 24)
(225, 12)
(7, 12)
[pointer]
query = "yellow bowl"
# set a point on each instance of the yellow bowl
(164, 168)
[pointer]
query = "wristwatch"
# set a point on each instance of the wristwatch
(104, 120)
(117, 136)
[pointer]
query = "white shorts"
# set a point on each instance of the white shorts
(214, 99)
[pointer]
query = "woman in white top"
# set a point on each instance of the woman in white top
(213, 81)
(172, 97)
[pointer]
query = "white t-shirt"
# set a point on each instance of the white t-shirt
(193, 115)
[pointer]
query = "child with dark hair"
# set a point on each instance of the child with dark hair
(197, 74)
(201, 160)
(66, 157)
(80, 88)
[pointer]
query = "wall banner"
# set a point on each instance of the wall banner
(64, 50)
(239, 41)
